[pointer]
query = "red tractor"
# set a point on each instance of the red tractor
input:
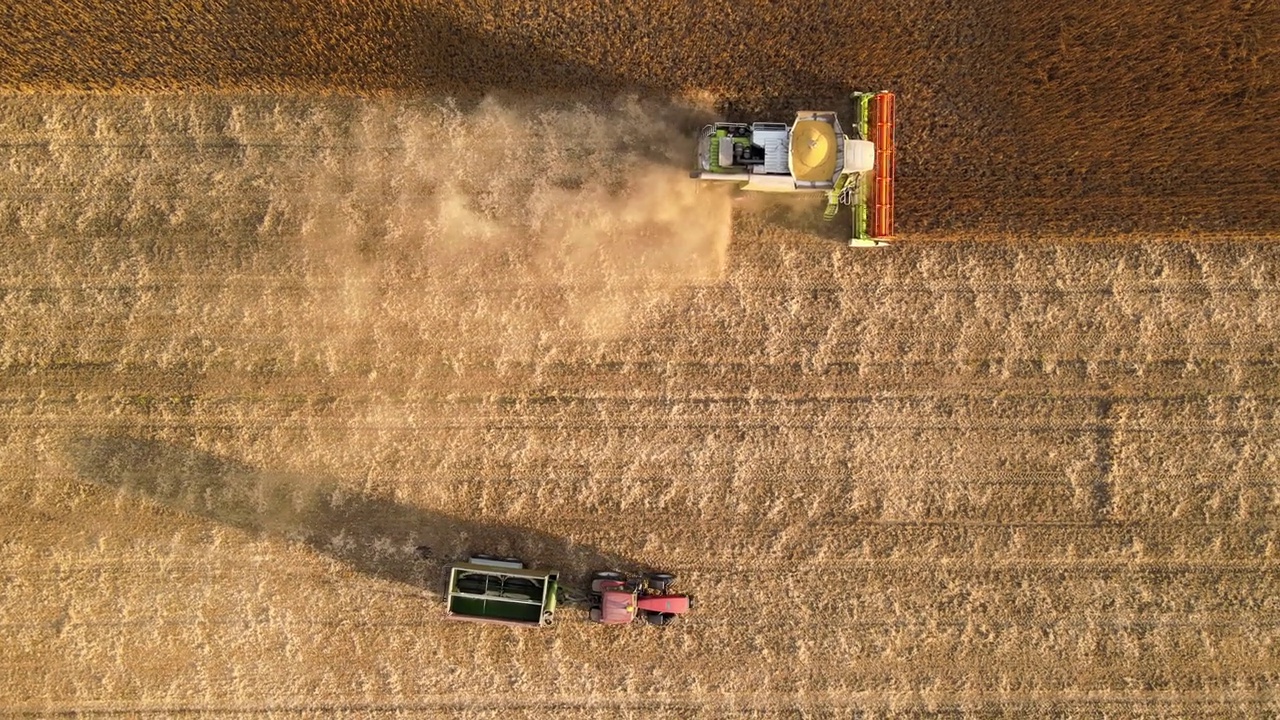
(616, 599)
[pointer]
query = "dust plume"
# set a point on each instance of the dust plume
(369, 228)
(515, 222)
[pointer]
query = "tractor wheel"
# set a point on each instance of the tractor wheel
(603, 576)
(656, 618)
(661, 581)
(596, 614)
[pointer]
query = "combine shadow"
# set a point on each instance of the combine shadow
(379, 48)
(524, 64)
(375, 536)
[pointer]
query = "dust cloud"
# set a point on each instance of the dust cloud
(366, 228)
(518, 222)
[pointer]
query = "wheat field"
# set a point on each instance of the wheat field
(290, 292)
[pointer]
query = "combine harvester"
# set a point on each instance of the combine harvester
(502, 591)
(814, 155)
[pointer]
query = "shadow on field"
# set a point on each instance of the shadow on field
(522, 56)
(375, 536)
(1060, 118)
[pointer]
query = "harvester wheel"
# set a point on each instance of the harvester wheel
(661, 581)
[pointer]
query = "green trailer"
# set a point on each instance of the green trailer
(501, 591)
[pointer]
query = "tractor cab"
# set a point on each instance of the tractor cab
(618, 604)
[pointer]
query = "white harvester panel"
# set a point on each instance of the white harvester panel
(859, 155)
(726, 154)
(761, 182)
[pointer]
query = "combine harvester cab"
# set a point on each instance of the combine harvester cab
(501, 591)
(814, 154)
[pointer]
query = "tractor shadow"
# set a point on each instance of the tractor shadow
(376, 536)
